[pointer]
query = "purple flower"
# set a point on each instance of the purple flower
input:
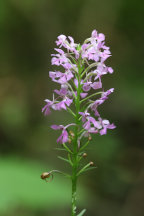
(84, 115)
(99, 37)
(93, 126)
(46, 108)
(108, 92)
(63, 138)
(83, 95)
(72, 47)
(60, 77)
(94, 106)
(60, 58)
(100, 71)
(100, 101)
(91, 122)
(105, 54)
(106, 125)
(58, 105)
(95, 85)
(95, 49)
(87, 86)
(62, 92)
(83, 67)
(61, 41)
(67, 66)
(110, 70)
(62, 104)
(76, 82)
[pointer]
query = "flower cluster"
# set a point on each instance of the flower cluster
(83, 68)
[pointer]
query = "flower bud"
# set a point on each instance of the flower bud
(84, 155)
(91, 163)
(89, 138)
(71, 133)
(45, 175)
(69, 141)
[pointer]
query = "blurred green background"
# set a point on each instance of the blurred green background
(28, 30)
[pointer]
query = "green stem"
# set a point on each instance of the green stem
(88, 68)
(70, 111)
(91, 96)
(85, 145)
(75, 147)
(82, 170)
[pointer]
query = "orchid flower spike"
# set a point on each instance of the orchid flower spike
(81, 68)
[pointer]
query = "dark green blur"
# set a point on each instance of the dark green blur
(28, 30)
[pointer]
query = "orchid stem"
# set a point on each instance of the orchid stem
(70, 111)
(75, 145)
(90, 96)
(88, 68)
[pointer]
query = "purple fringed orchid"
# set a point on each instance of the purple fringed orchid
(80, 76)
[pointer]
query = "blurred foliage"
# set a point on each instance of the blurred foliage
(20, 185)
(28, 30)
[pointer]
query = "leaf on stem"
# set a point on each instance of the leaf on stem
(70, 111)
(84, 146)
(65, 146)
(69, 158)
(85, 168)
(90, 168)
(60, 149)
(82, 212)
(64, 159)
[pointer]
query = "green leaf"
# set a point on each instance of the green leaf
(64, 159)
(78, 47)
(70, 111)
(65, 146)
(84, 146)
(21, 185)
(60, 149)
(82, 212)
(69, 157)
(90, 168)
(83, 169)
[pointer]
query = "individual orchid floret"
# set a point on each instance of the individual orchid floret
(104, 96)
(61, 78)
(91, 122)
(102, 70)
(61, 40)
(69, 45)
(64, 94)
(63, 138)
(89, 84)
(95, 105)
(84, 115)
(93, 126)
(46, 109)
(83, 94)
(99, 37)
(62, 104)
(106, 125)
(108, 92)
(72, 47)
(60, 58)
